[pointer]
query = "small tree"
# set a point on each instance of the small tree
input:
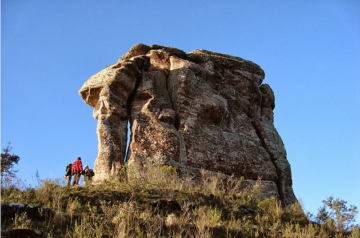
(335, 213)
(7, 163)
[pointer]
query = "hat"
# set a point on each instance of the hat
(86, 166)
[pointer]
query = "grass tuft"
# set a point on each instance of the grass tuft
(156, 203)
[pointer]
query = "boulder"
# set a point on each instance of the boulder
(201, 110)
(23, 233)
(8, 211)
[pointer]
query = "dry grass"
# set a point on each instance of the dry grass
(158, 204)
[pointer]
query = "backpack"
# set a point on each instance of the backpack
(68, 170)
(91, 172)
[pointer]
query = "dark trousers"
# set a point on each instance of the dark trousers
(76, 179)
(68, 179)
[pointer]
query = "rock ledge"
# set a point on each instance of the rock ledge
(201, 110)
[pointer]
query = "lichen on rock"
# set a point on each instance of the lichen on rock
(201, 110)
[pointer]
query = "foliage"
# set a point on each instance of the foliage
(7, 164)
(159, 204)
(22, 221)
(335, 213)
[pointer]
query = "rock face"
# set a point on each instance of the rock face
(201, 110)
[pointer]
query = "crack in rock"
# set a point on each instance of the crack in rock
(201, 110)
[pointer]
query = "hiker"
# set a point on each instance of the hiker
(76, 170)
(68, 174)
(88, 174)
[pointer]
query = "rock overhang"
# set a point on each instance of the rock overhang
(197, 110)
(90, 90)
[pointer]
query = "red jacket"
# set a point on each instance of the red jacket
(77, 167)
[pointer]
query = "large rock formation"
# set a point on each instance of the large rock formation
(201, 110)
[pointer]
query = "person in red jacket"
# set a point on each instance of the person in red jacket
(77, 170)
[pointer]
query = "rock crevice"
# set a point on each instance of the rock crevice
(201, 110)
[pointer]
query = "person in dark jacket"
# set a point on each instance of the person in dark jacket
(68, 174)
(77, 170)
(88, 174)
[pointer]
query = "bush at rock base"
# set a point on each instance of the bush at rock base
(163, 207)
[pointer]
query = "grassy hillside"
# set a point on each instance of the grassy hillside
(161, 205)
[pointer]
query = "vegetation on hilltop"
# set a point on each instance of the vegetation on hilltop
(162, 205)
(7, 164)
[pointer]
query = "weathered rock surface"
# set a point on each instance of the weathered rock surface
(23, 233)
(34, 213)
(8, 211)
(201, 110)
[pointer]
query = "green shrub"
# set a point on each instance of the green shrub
(335, 214)
(156, 203)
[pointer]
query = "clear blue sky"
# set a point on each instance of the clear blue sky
(309, 50)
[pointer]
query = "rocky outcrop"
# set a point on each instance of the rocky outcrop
(34, 213)
(8, 211)
(201, 110)
(23, 233)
